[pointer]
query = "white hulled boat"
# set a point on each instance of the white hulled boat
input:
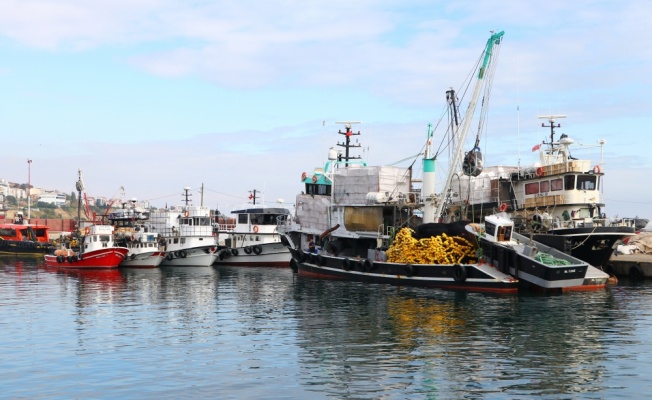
(133, 232)
(188, 235)
(252, 239)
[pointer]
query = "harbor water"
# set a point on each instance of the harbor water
(256, 333)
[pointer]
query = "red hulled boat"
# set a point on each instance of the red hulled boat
(97, 251)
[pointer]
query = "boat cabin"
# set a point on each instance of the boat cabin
(97, 237)
(34, 233)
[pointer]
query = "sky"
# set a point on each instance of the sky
(157, 95)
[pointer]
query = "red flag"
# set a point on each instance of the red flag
(535, 148)
(251, 196)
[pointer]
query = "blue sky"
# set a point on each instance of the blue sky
(156, 95)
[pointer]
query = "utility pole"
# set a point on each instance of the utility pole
(29, 192)
(252, 195)
(187, 195)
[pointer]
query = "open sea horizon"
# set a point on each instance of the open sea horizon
(251, 333)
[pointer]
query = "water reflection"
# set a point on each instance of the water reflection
(233, 332)
(411, 341)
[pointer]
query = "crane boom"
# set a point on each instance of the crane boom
(463, 130)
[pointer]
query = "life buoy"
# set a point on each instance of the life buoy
(87, 230)
(539, 171)
(303, 176)
(503, 207)
(247, 250)
(257, 250)
(255, 229)
(133, 238)
(459, 273)
(212, 249)
(314, 179)
(597, 169)
(186, 214)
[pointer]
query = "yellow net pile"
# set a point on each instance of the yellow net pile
(442, 249)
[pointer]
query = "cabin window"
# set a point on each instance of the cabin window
(489, 228)
(556, 184)
(532, 188)
(183, 240)
(7, 232)
(318, 189)
(586, 182)
(569, 182)
(544, 187)
(242, 218)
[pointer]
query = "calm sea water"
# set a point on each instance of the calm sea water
(255, 333)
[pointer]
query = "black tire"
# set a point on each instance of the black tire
(133, 256)
(234, 252)
(169, 256)
(183, 254)
(59, 259)
(284, 241)
(257, 250)
(459, 273)
(319, 259)
(636, 272)
(346, 264)
(293, 266)
(368, 265)
(301, 256)
(408, 269)
(247, 250)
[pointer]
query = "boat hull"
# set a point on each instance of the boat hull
(143, 260)
(475, 277)
(266, 255)
(24, 247)
(594, 245)
(98, 259)
(190, 257)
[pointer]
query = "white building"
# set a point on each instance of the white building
(58, 199)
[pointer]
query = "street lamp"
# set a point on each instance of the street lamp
(29, 193)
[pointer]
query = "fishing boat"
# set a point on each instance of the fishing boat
(145, 247)
(556, 201)
(252, 239)
(372, 224)
(20, 238)
(187, 234)
(97, 251)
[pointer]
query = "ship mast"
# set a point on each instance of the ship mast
(347, 144)
(463, 130)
